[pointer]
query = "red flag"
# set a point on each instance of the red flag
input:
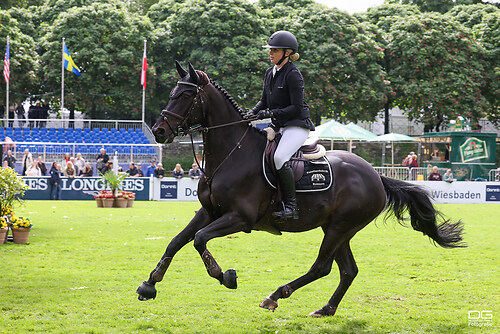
(144, 70)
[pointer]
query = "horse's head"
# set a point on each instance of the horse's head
(185, 107)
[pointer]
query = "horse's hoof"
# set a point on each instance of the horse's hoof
(326, 311)
(269, 304)
(146, 291)
(229, 279)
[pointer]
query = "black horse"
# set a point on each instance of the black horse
(235, 196)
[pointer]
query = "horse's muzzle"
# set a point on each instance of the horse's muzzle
(161, 135)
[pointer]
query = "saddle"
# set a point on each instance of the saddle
(311, 169)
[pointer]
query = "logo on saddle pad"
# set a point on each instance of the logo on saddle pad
(317, 176)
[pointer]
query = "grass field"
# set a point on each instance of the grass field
(82, 266)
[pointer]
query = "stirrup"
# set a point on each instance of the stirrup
(287, 213)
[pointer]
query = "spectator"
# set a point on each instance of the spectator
(497, 175)
(60, 170)
(27, 161)
(407, 161)
(435, 176)
(159, 171)
(55, 181)
(79, 163)
(2, 113)
(10, 159)
(140, 173)
(414, 162)
(70, 170)
(448, 176)
(5, 164)
(150, 171)
(132, 171)
(65, 160)
(33, 170)
(87, 171)
(41, 165)
(178, 172)
(194, 172)
(102, 159)
(107, 167)
(77, 170)
(20, 114)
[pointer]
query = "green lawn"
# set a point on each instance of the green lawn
(82, 266)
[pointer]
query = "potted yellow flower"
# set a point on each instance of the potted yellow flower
(4, 230)
(21, 227)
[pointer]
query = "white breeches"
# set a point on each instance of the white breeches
(293, 137)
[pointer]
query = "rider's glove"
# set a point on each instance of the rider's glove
(264, 114)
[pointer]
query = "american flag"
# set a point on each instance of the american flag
(6, 65)
(144, 69)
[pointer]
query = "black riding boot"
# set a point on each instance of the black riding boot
(287, 184)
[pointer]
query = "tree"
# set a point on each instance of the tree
(106, 43)
(24, 59)
(488, 32)
(471, 15)
(381, 19)
(222, 38)
(437, 69)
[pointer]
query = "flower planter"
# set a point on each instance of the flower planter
(121, 202)
(98, 200)
(130, 202)
(108, 202)
(3, 235)
(21, 235)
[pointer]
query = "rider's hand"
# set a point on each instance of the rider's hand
(264, 114)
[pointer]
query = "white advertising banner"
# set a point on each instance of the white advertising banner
(172, 189)
(186, 189)
(462, 192)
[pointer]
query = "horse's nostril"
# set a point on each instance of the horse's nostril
(159, 131)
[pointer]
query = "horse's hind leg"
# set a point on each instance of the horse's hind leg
(147, 289)
(348, 271)
(321, 267)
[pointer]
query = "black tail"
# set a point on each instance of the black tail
(402, 196)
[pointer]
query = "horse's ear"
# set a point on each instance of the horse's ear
(193, 74)
(182, 72)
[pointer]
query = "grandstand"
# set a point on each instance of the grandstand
(128, 140)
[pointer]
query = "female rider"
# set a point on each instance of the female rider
(283, 101)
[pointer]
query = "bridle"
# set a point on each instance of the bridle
(181, 130)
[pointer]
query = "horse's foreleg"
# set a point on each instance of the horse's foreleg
(348, 271)
(147, 289)
(321, 267)
(225, 225)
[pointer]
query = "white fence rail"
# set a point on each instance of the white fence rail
(409, 174)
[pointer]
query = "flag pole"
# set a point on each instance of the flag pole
(62, 83)
(144, 87)
(7, 90)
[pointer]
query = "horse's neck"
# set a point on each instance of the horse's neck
(223, 141)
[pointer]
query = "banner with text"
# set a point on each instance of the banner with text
(462, 192)
(82, 188)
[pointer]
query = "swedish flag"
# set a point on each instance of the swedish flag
(69, 64)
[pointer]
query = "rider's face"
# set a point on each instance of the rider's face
(275, 55)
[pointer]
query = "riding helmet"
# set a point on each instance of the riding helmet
(282, 40)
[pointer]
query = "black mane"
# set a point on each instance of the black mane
(227, 96)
